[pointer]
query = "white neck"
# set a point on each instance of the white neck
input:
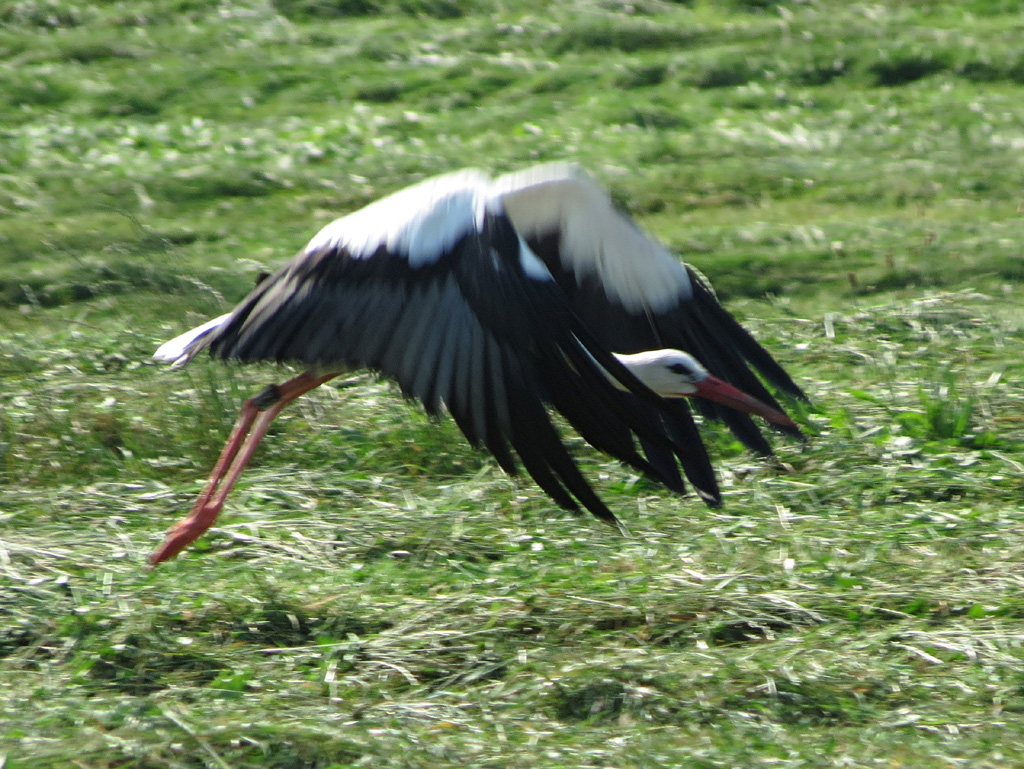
(652, 367)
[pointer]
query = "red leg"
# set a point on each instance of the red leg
(237, 452)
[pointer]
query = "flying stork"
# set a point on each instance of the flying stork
(500, 299)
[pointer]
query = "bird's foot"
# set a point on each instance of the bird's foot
(187, 531)
(253, 421)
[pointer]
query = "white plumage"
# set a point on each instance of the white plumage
(499, 301)
(596, 239)
(177, 351)
(401, 223)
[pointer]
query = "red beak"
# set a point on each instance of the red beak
(714, 389)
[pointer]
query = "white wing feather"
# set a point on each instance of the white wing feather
(595, 238)
(422, 222)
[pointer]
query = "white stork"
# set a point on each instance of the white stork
(498, 299)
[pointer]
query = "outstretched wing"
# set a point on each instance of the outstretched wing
(629, 290)
(436, 289)
(634, 295)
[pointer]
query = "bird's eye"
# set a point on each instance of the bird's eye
(679, 368)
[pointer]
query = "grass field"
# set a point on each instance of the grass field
(849, 175)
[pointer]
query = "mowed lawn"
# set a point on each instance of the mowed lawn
(850, 176)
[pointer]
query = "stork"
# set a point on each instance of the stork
(500, 300)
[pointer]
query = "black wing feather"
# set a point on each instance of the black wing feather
(698, 325)
(469, 329)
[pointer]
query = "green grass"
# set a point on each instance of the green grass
(379, 594)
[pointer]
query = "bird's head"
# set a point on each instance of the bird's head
(676, 374)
